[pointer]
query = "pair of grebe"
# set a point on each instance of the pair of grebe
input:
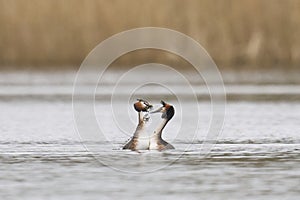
(140, 139)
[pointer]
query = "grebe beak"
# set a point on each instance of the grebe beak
(149, 107)
(160, 109)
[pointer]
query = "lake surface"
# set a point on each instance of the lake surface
(256, 156)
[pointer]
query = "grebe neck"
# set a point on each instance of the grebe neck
(140, 118)
(141, 125)
(158, 131)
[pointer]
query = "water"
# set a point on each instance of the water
(257, 156)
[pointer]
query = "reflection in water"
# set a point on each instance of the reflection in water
(67, 170)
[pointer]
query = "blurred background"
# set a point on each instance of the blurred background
(58, 34)
(255, 44)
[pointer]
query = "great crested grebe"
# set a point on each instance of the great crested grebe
(140, 139)
(156, 141)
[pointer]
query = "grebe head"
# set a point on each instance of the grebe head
(167, 110)
(142, 106)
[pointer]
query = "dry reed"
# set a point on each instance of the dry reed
(236, 33)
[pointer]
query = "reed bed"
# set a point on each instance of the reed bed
(236, 33)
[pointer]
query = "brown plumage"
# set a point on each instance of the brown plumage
(137, 141)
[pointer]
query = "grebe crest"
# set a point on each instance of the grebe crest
(167, 111)
(142, 106)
